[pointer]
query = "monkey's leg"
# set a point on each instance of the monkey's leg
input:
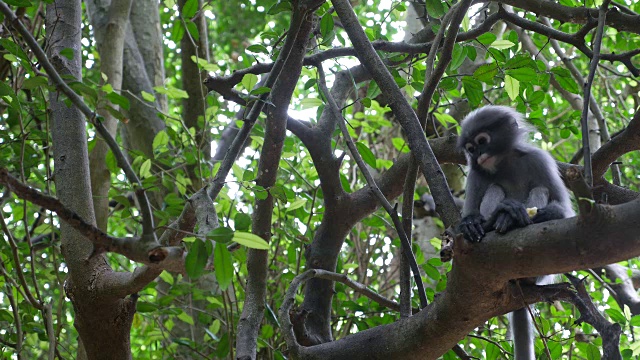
(552, 211)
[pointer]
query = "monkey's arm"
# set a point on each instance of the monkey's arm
(509, 214)
(479, 195)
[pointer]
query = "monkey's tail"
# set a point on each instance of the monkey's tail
(522, 331)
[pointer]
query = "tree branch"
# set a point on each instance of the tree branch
(597, 42)
(132, 248)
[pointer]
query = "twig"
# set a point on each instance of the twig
(374, 187)
(597, 43)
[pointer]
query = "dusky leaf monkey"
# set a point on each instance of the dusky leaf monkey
(506, 176)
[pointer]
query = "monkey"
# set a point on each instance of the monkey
(507, 175)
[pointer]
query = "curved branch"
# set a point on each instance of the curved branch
(576, 39)
(133, 248)
(577, 15)
(628, 140)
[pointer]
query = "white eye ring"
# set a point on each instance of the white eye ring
(482, 138)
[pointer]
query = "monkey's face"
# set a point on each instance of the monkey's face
(481, 152)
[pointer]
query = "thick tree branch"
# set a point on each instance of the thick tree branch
(477, 288)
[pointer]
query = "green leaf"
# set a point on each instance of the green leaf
(487, 38)
(68, 53)
(367, 154)
(435, 8)
(525, 74)
(458, 55)
(448, 84)
(160, 141)
(502, 44)
(616, 316)
(296, 204)
(143, 306)
(186, 318)
(326, 25)
(21, 3)
(221, 235)
(259, 91)
(196, 259)
(445, 119)
(241, 222)
(536, 98)
(431, 272)
(249, 81)
(519, 61)
(593, 353)
(190, 8)
(250, 240)
(145, 169)
(280, 6)
(258, 49)
(178, 31)
(486, 72)
(193, 30)
(277, 192)
(466, 23)
(6, 90)
(512, 86)
(34, 82)
(473, 90)
(172, 92)
(223, 264)
(147, 96)
(309, 102)
(563, 76)
(119, 100)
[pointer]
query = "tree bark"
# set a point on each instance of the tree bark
(103, 323)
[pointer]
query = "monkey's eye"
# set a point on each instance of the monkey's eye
(482, 138)
(470, 148)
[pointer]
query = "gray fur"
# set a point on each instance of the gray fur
(519, 173)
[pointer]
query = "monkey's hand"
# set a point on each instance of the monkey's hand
(509, 214)
(471, 227)
(551, 212)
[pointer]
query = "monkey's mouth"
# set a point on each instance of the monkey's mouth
(487, 161)
(483, 159)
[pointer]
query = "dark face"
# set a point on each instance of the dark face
(488, 146)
